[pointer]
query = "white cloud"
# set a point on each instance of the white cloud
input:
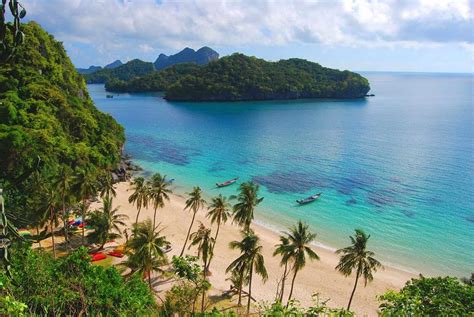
(144, 25)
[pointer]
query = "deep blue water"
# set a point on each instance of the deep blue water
(399, 165)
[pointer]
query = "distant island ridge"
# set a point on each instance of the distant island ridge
(200, 57)
(93, 69)
(202, 76)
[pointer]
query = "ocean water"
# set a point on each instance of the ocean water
(399, 165)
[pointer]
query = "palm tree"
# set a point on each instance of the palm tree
(104, 221)
(106, 185)
(299, 239)
(63, 183)
(250, 260)
(86, 185)
(158, 190)
(357, 257)
(194, 203)
(51, 206)
(202, 238)
(145, 250)
(139, 195)
(247, 201)
(285, 253)
(218, 213)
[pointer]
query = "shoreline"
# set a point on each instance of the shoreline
(318, 276)
(277, 228)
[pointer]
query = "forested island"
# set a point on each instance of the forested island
(240, 77)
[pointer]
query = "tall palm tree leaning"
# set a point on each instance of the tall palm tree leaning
(247, 200)
(86, 184)
(139, 197)
(104, 221)
(202, 238)
(51, 204)
(194, 203)
(63, 183)
(299, 239)
(285, 253)
(219, 212)
(357, 257)
(250, 260)
(158, 190)
(145, 250)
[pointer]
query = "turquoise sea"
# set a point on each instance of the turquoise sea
(399, 165)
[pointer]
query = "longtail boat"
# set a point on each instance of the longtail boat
(309, 199)
(227, 183)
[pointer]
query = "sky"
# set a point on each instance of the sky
(359, 35)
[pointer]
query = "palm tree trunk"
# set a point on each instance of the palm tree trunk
(213, 246)
(149, 280)
(38, 234)
(353, 290)
(187, 236)
(292, 284)
(138, 214)
(52, 233)
(66, 236)
(283, 282)
(239, 303)
(250, 289)
(203, 291)
(154, 218)
(83, 215)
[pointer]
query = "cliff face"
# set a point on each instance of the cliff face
(114, 64)
(201, 57)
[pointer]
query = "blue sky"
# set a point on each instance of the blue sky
(389, 35)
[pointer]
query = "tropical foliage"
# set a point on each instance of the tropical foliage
(182, 297)
(71, 286)
(105, 223)
(140, 195)
(193, 203)
(240, 77)
(47, 122)
(298, 250)
(158, 192)
(153, 81)
(293, 308)
(435, 296)
(357, 257)
(250, 261)
(247, 200)
(146, 250)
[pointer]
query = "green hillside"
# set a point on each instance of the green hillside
(47, 122)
